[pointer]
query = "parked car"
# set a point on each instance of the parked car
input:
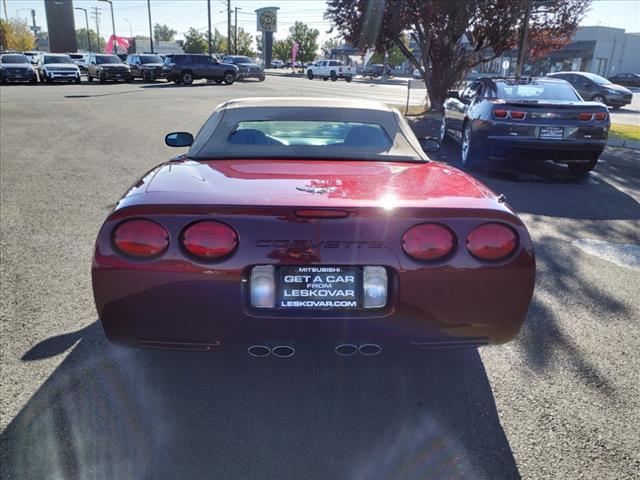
(626, 79)
(292, 222)
(56, 66)
(277, 64)
(145, 66)
(247, 67)
(330, 69)
(80, 59)
(33, 56)
(596, 88)
(535, 119)
(187, 67)
(374, 70)
(16, 67)
(105, 67)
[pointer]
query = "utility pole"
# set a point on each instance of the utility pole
(523, 38)
(96, 15)
(113, 26)
(150, 27)
(228, 27)
(6, 15)
(86, 18)
(209, 31)
(235, 31)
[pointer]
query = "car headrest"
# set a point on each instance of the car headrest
(365, 136)
(249, 136)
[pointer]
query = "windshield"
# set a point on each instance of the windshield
(57, 59)
(13, 59)
(242, 60)
(106, 59)
(150, 59)
(310, 133)
(537, 91)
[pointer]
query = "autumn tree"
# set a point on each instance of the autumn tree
(162, 33)
(218, 42)
(6, 35)
(455, 36)
(195, 42)
(244, 42)
(15, 35)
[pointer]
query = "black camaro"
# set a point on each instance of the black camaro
(534, 119)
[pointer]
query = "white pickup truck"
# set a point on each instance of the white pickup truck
(330, 69)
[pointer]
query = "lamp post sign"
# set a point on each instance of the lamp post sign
(267, 23)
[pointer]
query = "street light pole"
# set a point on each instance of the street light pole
(86, 19)
(209, 31)
(130, 30)
(113, 25)
(150, 28)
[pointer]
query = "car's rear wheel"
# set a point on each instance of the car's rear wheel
(443, 130)
(89, 78)
(187, 77)
(261, 78)
(468, 150)
(600, 99)
(582, 168)
(78, 80)
(348, 78)
(325, 78)
(229, 78)
(310, 75)
(334, 77)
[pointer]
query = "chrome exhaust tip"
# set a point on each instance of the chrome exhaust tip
(283, 351)
(369, 349)
(346, 349)
(259, 351)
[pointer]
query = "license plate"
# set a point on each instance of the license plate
(552, 133)
(18, 76)
(318, 287)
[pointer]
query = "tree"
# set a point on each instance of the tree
(259, 44)
(455, 36)
(396, 57)
(195, 42)
(281, 49)
(307, 39)
(81, 39)
(218, 42)
(245, 43)
(6, 35)
(162, 33)
(330, 44)
(15, 35)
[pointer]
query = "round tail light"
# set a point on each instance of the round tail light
(141, 238)
(209, 239)
(492, 241)
(428, 241)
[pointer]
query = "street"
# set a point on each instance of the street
(561, 401)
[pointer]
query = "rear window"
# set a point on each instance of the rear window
(57, 59)
(310, 133)
(537, 91)
(13, 59)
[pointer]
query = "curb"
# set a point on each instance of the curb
(632, 144)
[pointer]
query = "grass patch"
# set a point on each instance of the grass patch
(625, 132)
(416, 110)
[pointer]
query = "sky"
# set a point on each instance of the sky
(183, 14)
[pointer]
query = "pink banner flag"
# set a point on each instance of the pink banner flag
(121, 41)
(294, 52)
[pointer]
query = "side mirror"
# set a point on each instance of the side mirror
(179, 139)
(430, 144)
(453, 94)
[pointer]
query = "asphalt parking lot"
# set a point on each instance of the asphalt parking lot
(561, 401)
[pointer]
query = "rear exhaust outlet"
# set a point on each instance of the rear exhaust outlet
(283, 351)
(259, 351)
(369, 349)
(346, 349)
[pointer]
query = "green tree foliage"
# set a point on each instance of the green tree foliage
(218, 42)
(195, 42)
(281, 49)
(330, 44)
(307, 39)
(81, 39)
(396, 57)
(162, 33)
(488, 28)
(245, 43)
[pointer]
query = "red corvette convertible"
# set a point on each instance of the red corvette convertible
(300, 220)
